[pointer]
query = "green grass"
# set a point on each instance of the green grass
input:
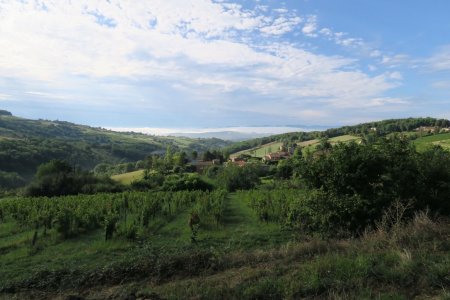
(89, 251)
(260, 151)
(265, 149)
(344, 138)
(241, 258)
(442, 139)
(128, 178)
(312, 144)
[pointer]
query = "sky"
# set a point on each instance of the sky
(204, 63)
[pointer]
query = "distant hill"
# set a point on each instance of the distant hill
(379, 128)
(224, 135)
(25, 144)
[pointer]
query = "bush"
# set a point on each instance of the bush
(186, 182)
(11, 180)
(390, 170)
(329, 214)
(234, 178)
(57, 178)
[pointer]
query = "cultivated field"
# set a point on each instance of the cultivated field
(236, 254)
(128, 178)
(442, 139)
(260, 151)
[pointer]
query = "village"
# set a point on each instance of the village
(271, 158)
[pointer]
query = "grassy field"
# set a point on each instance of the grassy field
(312, 144)
(241, 258)
(128, 178)
(260, 151)
(442, 139)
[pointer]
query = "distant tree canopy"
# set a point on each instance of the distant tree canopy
(214, 154)
(57, 178)
(5, 113)
(11, 180)
(26, 144)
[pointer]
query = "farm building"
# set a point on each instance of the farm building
(276, 156)
(430, 129)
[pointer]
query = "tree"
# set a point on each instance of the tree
(5, 113)
(168, 158)
(194, 155)
(180, 159)
(52, 179)
(284, 169)
(10, 180)
(234, 178)
(324, 144)
(207, 156)
(57, 178)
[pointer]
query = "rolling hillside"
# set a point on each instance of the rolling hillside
(25, 144)
(258, 147)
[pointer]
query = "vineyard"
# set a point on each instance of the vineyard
(132, 215)
(214, 245)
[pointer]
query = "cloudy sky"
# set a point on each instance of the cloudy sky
(205, 63)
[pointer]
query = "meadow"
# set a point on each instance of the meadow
(128, 178)
(260, 151)
(442, 139)
(312, 144)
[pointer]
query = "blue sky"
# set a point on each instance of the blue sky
(203, 63)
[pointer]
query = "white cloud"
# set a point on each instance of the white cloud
(440, 61)
(375, 53)
(394, 61)
(5, 97)
(441, 84)
(281, 25)
(386, 100)
(212, 47)
(310, 28)
(396, 75)
(49, 95)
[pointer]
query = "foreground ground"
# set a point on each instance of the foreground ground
(242, 258)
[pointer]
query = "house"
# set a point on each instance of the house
(428, 129)
(237, 159)
(239, 163)
(276, 156)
